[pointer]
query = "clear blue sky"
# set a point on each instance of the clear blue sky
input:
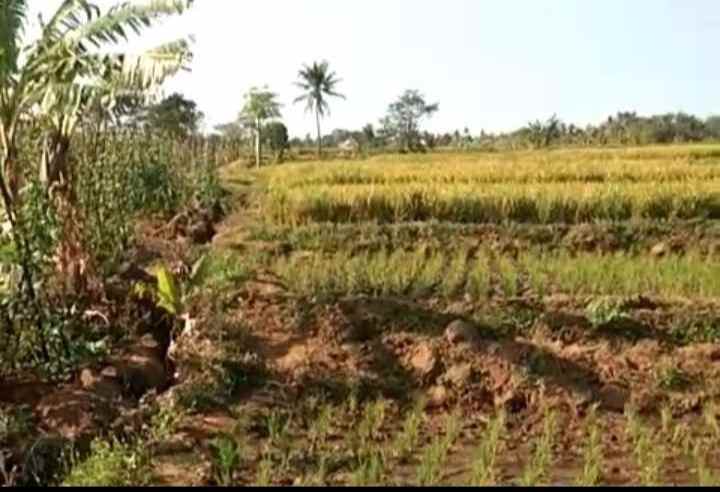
(491, 64)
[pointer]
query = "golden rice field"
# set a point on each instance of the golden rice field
(540, 187)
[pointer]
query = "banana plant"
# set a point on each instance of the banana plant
(55, 80)
(172, 295)
(59, 77)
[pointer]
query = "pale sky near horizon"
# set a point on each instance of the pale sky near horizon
(491, 64)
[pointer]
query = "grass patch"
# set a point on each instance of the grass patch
(111, 464)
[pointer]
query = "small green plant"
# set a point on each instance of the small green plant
(604, 312)
(371, 423)
(197, 397)
(111, 464)
(634, 426)
(593, 453)
(432, 461)
(164, 422)
(485, 463)
(666, 421)
(322, 426)
(406, 442)
(370, 470)
(453, 428)
(239, 373)
(649, 456)
(711, 420)
(682, 438)
(169, 294)
(705, 475)
(278, 424)
(648, 449)
(673, 379)
(353, 400)
(321, 474)
(227, 458)
(278, 429)
(265, 471)
(538, 468)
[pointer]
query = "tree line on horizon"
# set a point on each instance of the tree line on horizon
(260, 123)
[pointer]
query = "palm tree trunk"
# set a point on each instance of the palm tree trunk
(319, 135)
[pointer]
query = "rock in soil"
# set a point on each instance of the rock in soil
(438, 396)
(424, 361)
(460, 331)
(614, 398)
(459, 375)
(202, 232)
(660, 250)
(142, 373)
(105, 383)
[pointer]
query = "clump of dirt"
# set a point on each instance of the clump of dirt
(645, 237)
(456, 362)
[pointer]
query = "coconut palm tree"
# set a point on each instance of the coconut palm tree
(67, 71)
(318, 83)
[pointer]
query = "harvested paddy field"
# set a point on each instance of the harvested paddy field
(526, 318)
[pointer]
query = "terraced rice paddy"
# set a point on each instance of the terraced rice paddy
(453, 311)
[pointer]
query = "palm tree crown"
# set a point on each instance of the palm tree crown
(318, 83)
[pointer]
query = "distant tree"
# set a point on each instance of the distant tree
(542, 134)
(626, 128)
(712, 126)
(174, 115)
(404, 117)
(318, 83)
(444, 140)
(260, 105)
(335, 137)
(688, 128)
(368, 135)
(234, 136)
(276, 137)
(428, 140)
